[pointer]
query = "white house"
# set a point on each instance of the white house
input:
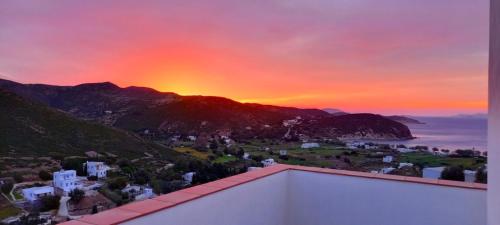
(405, 150)
(310, 145)
(65, 180)
(252, 168)
(404, 164)
(246, 156)
(283, 152)
(35, 193)
(138, 192)
(98, 169)
(470, 176)
(387, 170)
(188, 177)
(268, 162)
(432, 172)
(191, 138)
(387, 159)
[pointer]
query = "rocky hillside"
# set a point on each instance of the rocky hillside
(31, 128)
(145, 110)
(404, 120)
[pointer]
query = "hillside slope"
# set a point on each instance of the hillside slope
(29, 128)
(163, 114)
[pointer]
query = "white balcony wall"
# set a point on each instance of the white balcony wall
(307, 198)
(494, 117)
(324, 199)
(260, 202)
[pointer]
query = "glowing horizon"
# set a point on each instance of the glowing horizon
(350, 55)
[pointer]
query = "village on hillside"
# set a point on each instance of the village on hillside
(56, 189)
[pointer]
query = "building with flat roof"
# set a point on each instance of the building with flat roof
(35, 193)
(65, 180)
(97, 169)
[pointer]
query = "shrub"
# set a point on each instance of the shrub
(283, 157)
(7, 187)
(118, 183)
(49, 203)
(44, 175)
(482, 176)
(18, 178)
(76, 195)
(94, 209)
(455, 173)
(75, 164)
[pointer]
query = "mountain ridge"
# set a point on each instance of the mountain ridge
(164, 114)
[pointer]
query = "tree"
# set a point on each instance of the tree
(240, 153)
(141, 177)
(94, 209)
(482, 175)
(18, 178)
(170, 186)
(76, 195)
(453, 173)
(7, 187)
(49, 203)
(118, 183)
(75, 164)
(44, 175)
(257, 158)
(31, 219)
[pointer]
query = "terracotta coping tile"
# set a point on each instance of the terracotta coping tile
(480, 186)
(240, 179)
(74, 222)
(222, 184)
(146, 206)
(452, 183)
(201, 189)
(177, 197)
(112, 216)
(265, 171)
(392, 177)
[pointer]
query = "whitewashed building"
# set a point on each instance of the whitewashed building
(470, 176)
(309, 145)
(66, 180)
(405, 164)
(252, 168)
(283, 152)
(268, 162)
(246, 156)
(35, 193)
(432, 172)
(387, 159)
(188, 177)
(138, 192)
(98, 169)
(405, 150)
(387, 170)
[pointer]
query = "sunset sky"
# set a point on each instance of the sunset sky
(425, 57)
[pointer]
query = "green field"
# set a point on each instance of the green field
(225, 159)
(429, 160)
(193, 152)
